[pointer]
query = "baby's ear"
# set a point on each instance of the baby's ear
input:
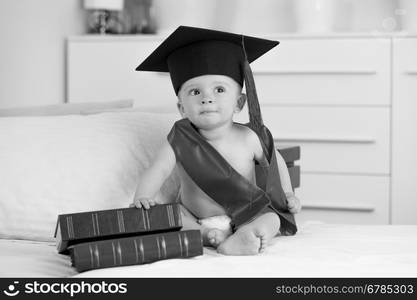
(241, 101)
(180, 108)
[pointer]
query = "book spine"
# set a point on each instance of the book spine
(290, 154)
(119, 221)
(294, 172)
(136, 250)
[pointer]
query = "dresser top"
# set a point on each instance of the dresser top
(161, 36)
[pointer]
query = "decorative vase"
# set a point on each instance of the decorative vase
(314, 16)
(139, 16)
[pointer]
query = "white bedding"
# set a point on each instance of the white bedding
(318, 250)
(21, 258)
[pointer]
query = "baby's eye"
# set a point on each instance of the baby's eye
(194, 92)
(220, 89)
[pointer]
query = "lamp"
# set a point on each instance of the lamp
(102, 12)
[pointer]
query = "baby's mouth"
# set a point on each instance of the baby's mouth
(208, 112)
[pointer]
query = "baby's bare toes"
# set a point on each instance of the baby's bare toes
(262, 247)
(214, 237)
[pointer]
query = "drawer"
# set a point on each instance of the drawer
(325, 71)
(349, 199)
(104, 70)
(405, 58)
(333, 139)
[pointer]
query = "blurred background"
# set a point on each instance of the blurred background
(33, 33)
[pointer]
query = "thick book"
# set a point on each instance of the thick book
(136, 250)
(294, 172)
(107, 224)
(289, 154)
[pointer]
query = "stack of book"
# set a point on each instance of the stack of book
(126, 236)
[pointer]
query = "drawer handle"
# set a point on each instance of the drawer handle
(314, 72)
(325, 139)
(342, 207)
(411, 72)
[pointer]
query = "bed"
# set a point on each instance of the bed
(318, 250)
(87, 158)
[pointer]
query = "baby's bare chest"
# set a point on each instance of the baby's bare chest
(238, 156)
(197, 201)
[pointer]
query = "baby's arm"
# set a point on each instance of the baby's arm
(153, 177)
(294, 205)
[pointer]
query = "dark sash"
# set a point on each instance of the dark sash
(241, 199)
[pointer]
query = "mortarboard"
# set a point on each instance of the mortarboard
(190, 52)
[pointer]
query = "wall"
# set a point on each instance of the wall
(32, 49)
(272, 16)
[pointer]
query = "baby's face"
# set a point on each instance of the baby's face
(209, 101)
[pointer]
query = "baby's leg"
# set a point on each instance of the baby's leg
(189, 221)
(215, 237)
(253, 237)
(216, 229)
(211, 237)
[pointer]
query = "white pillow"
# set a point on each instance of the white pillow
(66, 108)
(64, 164)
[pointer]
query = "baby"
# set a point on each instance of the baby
(208, 100)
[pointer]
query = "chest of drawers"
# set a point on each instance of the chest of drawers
(331, 96)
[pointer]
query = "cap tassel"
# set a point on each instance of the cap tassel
(255, 116)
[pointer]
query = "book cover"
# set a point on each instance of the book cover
(294, 172)
(136, 250)
(106, 224)
(289, 154)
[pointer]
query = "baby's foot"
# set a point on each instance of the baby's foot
(243, 242)
(215, 237)
(215, 229)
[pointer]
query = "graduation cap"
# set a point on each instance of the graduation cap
(190, 52)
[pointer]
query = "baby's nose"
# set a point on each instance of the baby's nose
(207, 100)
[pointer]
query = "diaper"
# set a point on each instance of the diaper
(221, 223)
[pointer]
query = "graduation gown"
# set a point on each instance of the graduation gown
(241, 199)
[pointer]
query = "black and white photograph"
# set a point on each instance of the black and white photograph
(208, 139)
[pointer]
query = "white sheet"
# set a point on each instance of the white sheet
(318, 250)
(21, 258)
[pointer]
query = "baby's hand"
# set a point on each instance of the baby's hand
(294, 204)
(143, 202)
